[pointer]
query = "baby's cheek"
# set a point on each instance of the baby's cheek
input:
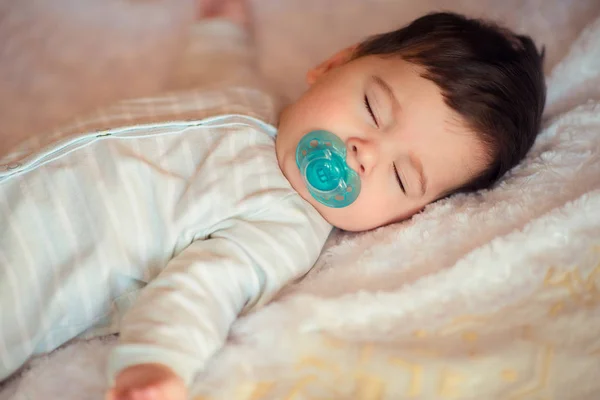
(364, 214)
(380, 207)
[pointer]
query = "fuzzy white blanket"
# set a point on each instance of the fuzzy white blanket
(493, 295)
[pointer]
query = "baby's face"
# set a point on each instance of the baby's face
(408, 147)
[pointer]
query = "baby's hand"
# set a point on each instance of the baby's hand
(148, 382)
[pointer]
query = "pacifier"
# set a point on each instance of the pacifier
(321, 158)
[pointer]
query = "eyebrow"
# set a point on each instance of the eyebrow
(416, 164)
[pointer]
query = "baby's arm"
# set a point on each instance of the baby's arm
(183, 317)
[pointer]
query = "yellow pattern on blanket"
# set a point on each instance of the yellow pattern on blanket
(516, 353)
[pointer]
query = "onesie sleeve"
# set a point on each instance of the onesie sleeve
(183, 317)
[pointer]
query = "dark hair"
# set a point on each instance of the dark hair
(490, 76)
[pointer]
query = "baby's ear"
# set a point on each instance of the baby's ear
(338, 59)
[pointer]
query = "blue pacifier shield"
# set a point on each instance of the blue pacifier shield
(321, 158)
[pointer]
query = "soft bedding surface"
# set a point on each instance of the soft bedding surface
(486, 296)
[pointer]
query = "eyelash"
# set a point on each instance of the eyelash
(398, 178)
(370, 110)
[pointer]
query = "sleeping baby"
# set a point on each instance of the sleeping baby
(166, 232)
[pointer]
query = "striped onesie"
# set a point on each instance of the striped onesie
(163, 231)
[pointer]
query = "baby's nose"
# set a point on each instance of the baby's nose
(362, 155)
